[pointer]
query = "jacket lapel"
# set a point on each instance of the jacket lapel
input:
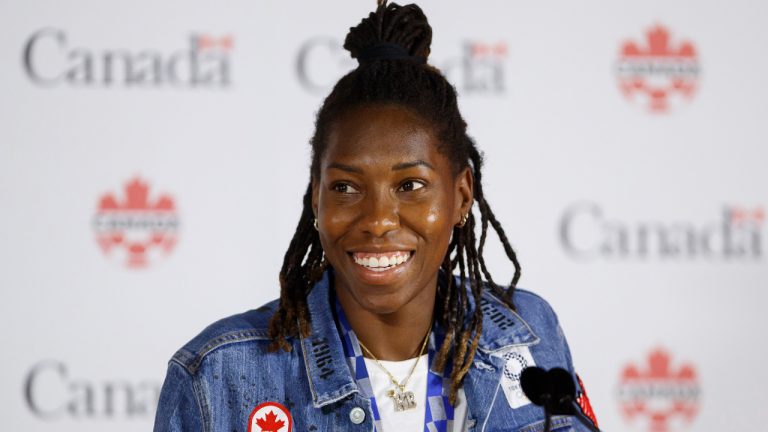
(329, 375)
(503, 330)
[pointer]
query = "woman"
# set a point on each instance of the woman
(372, 328)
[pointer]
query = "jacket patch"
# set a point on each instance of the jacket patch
(270, 417)
(515, 360)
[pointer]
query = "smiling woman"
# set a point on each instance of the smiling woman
(385, 192)
(388, 317)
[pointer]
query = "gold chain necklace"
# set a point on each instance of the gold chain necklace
(403, 399)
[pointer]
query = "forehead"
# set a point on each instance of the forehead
(381, 135)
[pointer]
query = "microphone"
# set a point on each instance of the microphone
(555, 391)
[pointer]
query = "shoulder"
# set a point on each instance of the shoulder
(532, 307)
(539, 315)
(530, 321)
(251, 327)
(526, 302)
(529, 307)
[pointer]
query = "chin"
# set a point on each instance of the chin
(382, 292)
(380, 300)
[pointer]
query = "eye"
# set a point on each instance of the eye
(344, 188)
(411, 185)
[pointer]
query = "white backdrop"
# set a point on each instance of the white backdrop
(625, 146)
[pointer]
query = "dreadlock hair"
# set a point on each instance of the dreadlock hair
(414, 85)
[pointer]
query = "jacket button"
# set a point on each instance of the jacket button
(357, 415)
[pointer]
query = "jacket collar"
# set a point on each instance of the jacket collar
(329, 375)
(502, 327)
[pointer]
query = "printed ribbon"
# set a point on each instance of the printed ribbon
(438, 416)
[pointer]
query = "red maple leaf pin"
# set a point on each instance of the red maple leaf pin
(270, 423)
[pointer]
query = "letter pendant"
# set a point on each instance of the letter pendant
(403, 400)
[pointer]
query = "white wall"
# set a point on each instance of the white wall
(573, 167)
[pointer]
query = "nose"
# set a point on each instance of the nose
(380, 214)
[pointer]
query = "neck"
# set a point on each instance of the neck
(396, 335)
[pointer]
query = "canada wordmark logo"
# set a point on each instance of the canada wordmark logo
(54, 57)
(735, 233)
(476, 68)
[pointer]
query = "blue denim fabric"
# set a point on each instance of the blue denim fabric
(214, 382)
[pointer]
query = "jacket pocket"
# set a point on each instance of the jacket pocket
(559, 424)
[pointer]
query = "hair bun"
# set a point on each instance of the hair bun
(389, 26)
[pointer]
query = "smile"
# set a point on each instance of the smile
(380, 262)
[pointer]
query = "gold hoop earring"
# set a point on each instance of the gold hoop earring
(315, 225)
(463, 220)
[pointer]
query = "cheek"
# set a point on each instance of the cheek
(435, 219)
(333, 218)
(333, 227)
(432, 222)
(338, 221)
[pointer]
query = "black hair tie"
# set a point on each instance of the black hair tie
(387, 51)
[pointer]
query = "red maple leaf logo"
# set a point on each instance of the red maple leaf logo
(743, 215)
(479, 49)
(270, 423)
(657, 39)
(136, 198)
(208, 42)
(659, 391)
(658, 69)
(136, 223)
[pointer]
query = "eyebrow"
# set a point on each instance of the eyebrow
(406, 165)
(347, 168)
(397, 167)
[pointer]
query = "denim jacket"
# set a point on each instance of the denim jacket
(214, 382)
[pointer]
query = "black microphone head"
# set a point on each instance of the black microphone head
(563, 391)
(535, 384)
(562, 382)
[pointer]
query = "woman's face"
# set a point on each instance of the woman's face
(386, 202)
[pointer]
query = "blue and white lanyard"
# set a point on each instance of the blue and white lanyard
(438, 410)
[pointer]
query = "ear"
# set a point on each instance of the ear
(464, 193)
(315, 195)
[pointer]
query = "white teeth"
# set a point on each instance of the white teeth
(384, 262)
